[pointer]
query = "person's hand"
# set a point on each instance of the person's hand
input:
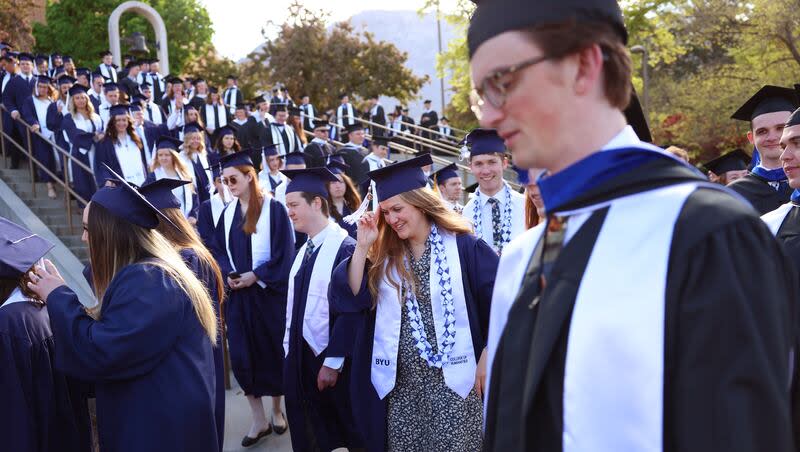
(244, 281)
(367, 231)
(327, 378)
(480, 375)
(192, 220)
(59, 107)
(35, 128)
(713, 177)
(99, 136)
(43, 280)
(15, 115)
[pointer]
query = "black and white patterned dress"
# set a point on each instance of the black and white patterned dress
(422, 413)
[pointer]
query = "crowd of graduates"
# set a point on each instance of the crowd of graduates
(623, 301)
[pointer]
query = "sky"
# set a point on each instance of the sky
(238, 23)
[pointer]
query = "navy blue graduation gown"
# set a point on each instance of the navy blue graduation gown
(42, 149)
(150, 360)
(36, 412)
(82, 180)
(319, 421)
(256, 317)
(151, 177)
(105, 153)
(203, 183)
(205, 275)
(205, 223)
(478, 267)
(351, 229)
(55, 122)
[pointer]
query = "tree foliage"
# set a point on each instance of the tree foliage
(308, 58)
(15, 23)
(80, 28)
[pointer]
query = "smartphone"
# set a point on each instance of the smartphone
(234, 275)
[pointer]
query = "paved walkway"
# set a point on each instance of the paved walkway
(237, 424)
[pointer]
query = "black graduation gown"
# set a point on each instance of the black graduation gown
(150, 360)
(104, 153)
(36, 412)
(316, 155)
(478, 267)
(256, 317)
(353, 157)
(759, 193)
(352, 229)
(319, 421)
(727, 316)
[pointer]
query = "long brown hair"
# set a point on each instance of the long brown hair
(7, 286)
(111, 131)
(114, 244)
(177, 164)
(297, 126)
(256, 199)
(531, 216)
(351, 197)
(185, 237)
(218, 145)
(389, 250)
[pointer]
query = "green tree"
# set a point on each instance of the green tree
(80, 28)
(309, 59)
(15, 23)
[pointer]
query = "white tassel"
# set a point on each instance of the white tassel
(227, 197)
(463, 153)
(362, 209)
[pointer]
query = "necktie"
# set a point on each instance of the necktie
(216, 116)
(228, 97)
(309, 250)
(150, 112)
(284, 137)
(543, 259)
(497, 234)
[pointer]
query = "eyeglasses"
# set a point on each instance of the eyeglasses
(229, 180)
(495, 87)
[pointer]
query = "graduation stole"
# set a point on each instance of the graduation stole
(345, 118)
(452, 328)
(505, 226)
(217, 206)
(276, 138)
(185, 197)
(615, 384)
(775, 177)
(316, 317)
(260, 242)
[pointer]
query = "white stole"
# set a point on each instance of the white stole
(775, 218)
(277, 139)
(217, 206)
(341, 114)
(374, 163)
(459, 367)
(316, 317)
(614, 372)
(260, 241)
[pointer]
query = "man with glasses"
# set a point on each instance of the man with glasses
(318, 150)
(626, 320)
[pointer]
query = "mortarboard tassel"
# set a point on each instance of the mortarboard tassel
(463, 153)
(362, 209)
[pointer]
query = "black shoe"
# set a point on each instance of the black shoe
(248, 441)
(281, 430)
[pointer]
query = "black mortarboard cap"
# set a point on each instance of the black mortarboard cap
(337, 167)
(768, 99)
(494, 17)
(379, 140)
(241, 158)
(19, 249)
(110, 86)
(43, 79)
(354, 127)
(25, 56)
(448, 172)
(76, 89)
(193, 127)
(159, 193)
(732, 161)
(64, 79)
(400, 177)
(104, 53)
(118, 110)
(125, 202)
(295, 158)
(320, 123)
(168, 142)
(309, 180)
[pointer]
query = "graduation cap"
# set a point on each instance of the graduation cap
(66, 59)
(232, 77)
(337, 167)
(427, 101)
(200, 80)
(168, 142)
(104, 54)
(144, 85)
(132, 64)
(175, 80)
(295, 158)
(126, 203)
(448, 172)
(241, 106)
(64, 79)
(193, 127)
(19, 249)
(259, 100)
(118, 110)
(337, 157)
(83, 71)
(134, 107)
(225, 130)
(25, 56)
(77, 89)
(110, 86)
(213, 89)
(522, 175)
(320, 123)
(138, 99)
(794, 119)
(483, 141)
(44, 80)
(270, 150)
(400, 177)
(309, 180)
(97, 74)
(354, 127)
(241, 158)
(60, 70)
(294, 111)
(55, 55)
(159, 193)
(492, 18)
(634, 115)
(280, 107)
(768, 99)
(444, 118)
(379, 140)
(732, 161)
(39, 59)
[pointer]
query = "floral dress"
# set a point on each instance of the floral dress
(423, 413)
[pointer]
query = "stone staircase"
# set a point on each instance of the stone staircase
(52, 212)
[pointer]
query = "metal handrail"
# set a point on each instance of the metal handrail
(67, 160)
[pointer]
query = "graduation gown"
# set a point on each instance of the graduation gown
(317, 153)
(319, 420)
(478, 265)
(759, 193)
(42, 149)
(256, 316)
(352, 229)
(726, 321)
(105, 153)
(353, 157)
(207, 218)
(36, 414)
(150, 360)
(83, 181)
(55, 122)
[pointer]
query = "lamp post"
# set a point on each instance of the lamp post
(645, 79)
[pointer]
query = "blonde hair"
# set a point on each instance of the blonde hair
(177, 163)
(132, 244)
(389, 250)
(89, 107)
(191, 152)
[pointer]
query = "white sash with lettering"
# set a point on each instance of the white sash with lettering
(260, 241)
(316, 317)
(614, 372)
(775, 218)
(459, 369)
